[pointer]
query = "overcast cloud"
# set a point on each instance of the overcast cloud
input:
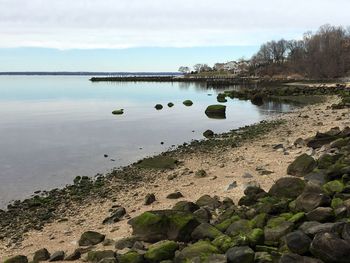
(66, 24)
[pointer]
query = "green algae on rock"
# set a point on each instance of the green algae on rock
(158, 162)
(216, 111)
(187, 103)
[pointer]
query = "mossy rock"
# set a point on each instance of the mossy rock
(263, 257)
(118, 112)
(327, 160)
(258, 221)
(277, 228)
(186, 206)
(201, 249)
(17, 259)
(336, 202)
(162, 250)
(97, 256)
(221, 98)
(297, 218)
(208, 134)
(170, 104)
(160, 225)
(205, 231)
(187, 103)
(222, 226)
(223, 242)
(333, 187)
(241, 226)
(158, 162)
(131, 257)
(302, 165)
(217, 111)
(158, 106)
(256, 237)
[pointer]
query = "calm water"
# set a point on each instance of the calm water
(53, 128)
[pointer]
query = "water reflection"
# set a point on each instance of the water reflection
(55, 128)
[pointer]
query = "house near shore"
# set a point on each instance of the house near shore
(234, 67)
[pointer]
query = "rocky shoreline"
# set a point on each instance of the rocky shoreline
(59, 205)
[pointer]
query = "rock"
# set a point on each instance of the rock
(208, 201)
(202, 215)
(162, 250)
(41, 255)
(201, 173)
(311, 198)
(231, 186)
(316, 177)
(320, 139)
(205, 231)
(277, 228)
(170, 104)
(208, 134)
(97, 256)
(187, 103)
(74, 256)
(115, 217)
(198, 249)
(240, 254)
(127, 242)
(278, 146)
(326, 227)
(118, 112)
(57, 256)
(154, 226)
(298, 242)
(216, 111)
(186, 206)
(239, 227)
(158, 106)
(216, 258)
(302, 165)
(149, 199)
(91, 238)
(320, 214)
(158, 162)
(300, 142)
(175, 195)
(330, 248)
(17, 259)
(287, 187)
(130, 257)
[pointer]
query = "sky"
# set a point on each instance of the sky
(150, 35)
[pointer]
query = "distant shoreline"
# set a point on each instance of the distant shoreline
(86, 73)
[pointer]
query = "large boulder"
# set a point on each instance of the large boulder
(216, 111)
(330, 248)
(302, 165)
(154, 226)
(242, 254)
(298, 242)
(91, 238)
(162, 250)
(287, 187)
(322, 139)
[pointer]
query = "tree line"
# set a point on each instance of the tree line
(324, 54)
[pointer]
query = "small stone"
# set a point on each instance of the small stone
(175, 195)
(231, 186)
(41, 255)
(201, 173)
(149, 199)
(91, 238)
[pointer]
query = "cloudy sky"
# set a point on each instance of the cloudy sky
(144, 35)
